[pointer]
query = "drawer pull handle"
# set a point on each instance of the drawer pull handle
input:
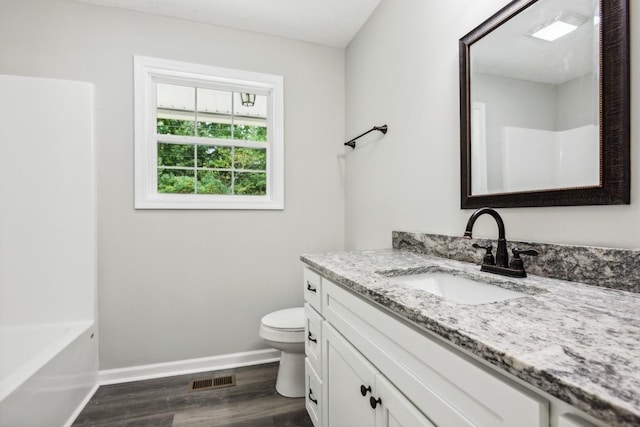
(310, 288)
(364, 390)
(374, 402)
(311, 397)
(311, 338)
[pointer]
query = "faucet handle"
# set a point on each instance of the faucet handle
(517, 251)
(516, 261)
(488, 256)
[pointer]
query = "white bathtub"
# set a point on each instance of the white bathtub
(47, 372)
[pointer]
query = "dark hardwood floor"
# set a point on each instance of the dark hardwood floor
(167, 402)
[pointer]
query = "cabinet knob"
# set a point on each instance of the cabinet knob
(310, 287)
(374, 402)
(311, 397)
(364, 390)
(311, 338)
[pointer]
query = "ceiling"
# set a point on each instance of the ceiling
(327, 22)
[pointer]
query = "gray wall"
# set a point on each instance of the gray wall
(183, 284)
(402, 69)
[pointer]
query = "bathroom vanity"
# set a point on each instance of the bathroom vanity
(385, 352)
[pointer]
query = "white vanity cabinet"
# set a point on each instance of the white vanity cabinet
(408, 377)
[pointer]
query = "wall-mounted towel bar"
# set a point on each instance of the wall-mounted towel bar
(352, 143)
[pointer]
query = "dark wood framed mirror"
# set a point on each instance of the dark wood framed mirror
(546, 122)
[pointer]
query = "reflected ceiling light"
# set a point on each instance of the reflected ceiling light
(248, 99)
(558, 27)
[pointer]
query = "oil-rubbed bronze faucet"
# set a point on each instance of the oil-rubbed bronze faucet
(500, 264)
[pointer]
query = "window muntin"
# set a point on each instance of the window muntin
(205, 149)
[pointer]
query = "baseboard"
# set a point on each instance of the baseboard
(189, 366)
(81, 406)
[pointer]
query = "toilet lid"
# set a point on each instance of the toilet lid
(289, 319)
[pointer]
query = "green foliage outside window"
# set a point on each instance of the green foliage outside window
(211, 130)
(175, 127)
(175, 181)
(211, 169)
(250, 133)
(250, 183)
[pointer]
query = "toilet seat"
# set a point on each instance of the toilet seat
(290, 319)
(286, 326)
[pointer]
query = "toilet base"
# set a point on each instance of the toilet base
(290, 382)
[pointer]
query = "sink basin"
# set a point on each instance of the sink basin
(456, 288)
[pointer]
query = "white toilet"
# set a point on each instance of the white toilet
(284, 330)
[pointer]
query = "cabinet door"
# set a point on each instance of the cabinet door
(346, 376)
(394, 409)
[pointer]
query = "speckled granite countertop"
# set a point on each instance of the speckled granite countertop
(580, 343)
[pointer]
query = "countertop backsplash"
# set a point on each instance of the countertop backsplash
(605, 267)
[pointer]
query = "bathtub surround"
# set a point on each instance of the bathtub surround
(606, 267)
(575, 342)
(48, 333)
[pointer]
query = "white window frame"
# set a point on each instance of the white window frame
(147, 73)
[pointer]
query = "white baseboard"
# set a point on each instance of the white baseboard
(189, 366)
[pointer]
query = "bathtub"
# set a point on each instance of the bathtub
(47, 373)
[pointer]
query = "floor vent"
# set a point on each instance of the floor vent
(211, 383)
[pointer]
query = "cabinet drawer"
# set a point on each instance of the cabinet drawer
(313, 396)
(313, 338)
(447, 386)
(312, 289)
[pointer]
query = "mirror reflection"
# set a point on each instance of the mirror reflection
(534, 100)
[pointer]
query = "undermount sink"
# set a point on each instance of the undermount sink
(457, 288)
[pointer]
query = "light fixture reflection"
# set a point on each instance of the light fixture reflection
(554, 31)
(558, 27)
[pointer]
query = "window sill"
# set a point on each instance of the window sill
(186, 201)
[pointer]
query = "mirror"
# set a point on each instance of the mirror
(544, 105)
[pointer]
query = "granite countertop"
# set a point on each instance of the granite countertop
(580, 343)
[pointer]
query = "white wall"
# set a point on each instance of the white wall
(185, 284)
(402, 69)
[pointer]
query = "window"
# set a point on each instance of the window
(207, 137)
